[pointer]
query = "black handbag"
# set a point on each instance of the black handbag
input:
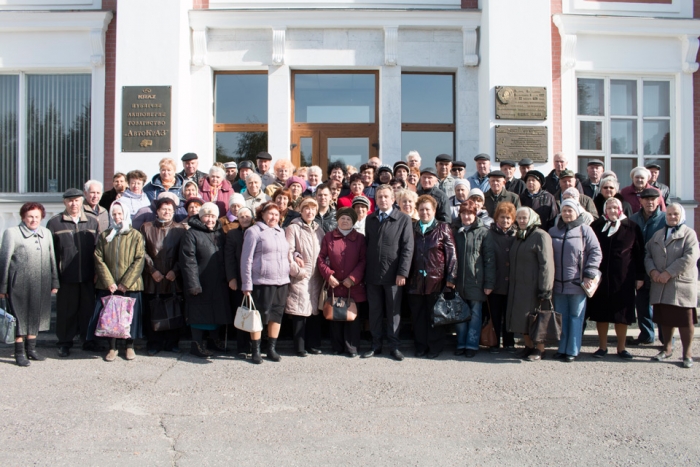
(166, 313)
(450, 309)
(544, 325)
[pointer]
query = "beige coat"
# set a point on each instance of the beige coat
(678, 255)
(305, 286)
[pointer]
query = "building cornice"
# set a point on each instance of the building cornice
(26, 21)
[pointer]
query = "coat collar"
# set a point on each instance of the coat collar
(28, 233)
(352, 236)
(67, 218)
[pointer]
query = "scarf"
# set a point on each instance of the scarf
(532, 223)
(345, 232)
(118, 229)
(230, 217)
(613, 226)
(424, 227)
(681, 221)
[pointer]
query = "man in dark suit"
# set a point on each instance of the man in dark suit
(389, 239)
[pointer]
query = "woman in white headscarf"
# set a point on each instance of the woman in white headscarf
(622, 270)
(119, 262)
(671, 262)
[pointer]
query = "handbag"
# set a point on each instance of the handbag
(590, 291)
(339, 308)
(450, 309)
(248, 317)
(115, 317)
(544, 325)
(322, 296)
(488, 333)
(7, 326)
(166, 313)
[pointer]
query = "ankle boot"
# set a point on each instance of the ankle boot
(198, 351)
(31, 351)
(271, 352)
(20, 355)
(255, 346)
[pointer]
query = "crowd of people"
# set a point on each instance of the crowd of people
(382, 239)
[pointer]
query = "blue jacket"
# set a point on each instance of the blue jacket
(656, 222)
(155, 187)
(483, 185)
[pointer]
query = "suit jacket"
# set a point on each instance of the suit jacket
(389, 247)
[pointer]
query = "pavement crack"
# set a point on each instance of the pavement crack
(173, 452)
(170, 367)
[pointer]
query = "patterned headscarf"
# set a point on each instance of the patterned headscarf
(118, 229)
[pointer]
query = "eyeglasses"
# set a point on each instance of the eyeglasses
(458, 169)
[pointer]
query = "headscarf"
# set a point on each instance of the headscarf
(188, 182)
(671, 230)
(613, 225)
(533, 222)
(573, 192)
(118, 229)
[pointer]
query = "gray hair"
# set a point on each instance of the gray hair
(562, 155)
(315, 169)
(216, 169)
(89, 183)
(413, 153)
(640, 170)
(253, 176)
(611, 180)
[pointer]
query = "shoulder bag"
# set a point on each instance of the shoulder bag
(544, 325)
(450, 309)
(488, 333)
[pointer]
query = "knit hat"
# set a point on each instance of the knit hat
(236, 198)
(573, 204)
(350, 212)
(462, 181)
(476, 192)
(361, 200)
(208, 208)
(295, 179)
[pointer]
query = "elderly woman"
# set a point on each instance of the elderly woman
(640, 180)
(356, 189)
(233, 251)
(461, 194)
(304, 236)
(314, 177)
(341, 263)
(361, 205)
(229, 221)
(338, 172)
(134, 197)
(283, 169)
(434, 267)
(577, 256)
(28, 277)
(540, 200)
(296, 186)
(476, 273)
(574, 195)
(476, 195)
(254, 196)
(161, 271)
(406, 201)
(531, 278)
(622, 269)
(283, 198)
(671, 262)
(204, 279)
(609, 188)
(265, 275)
(190, 189)
(166, 180)
(502, 233)
(119, 261)
(192, 206)
(215, 188)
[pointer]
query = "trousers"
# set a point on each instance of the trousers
(75, 306)
(384, 302)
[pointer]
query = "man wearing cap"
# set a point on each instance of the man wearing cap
(443, 165)
(245, 168)
(650, 218)
(525, 165)
(480, 179)
(539, 200)
(591, 185)
(231, 169)
(92, 191)
(654, 168)
(458, 170)
(498, 193)
(74, 234)
(263, 160)
(190, 162)
(640, 181)
(514, 185)
(428, 186)
(567, 179)
(551, 182)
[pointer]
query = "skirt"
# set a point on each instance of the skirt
(270, 300)
(675, 316)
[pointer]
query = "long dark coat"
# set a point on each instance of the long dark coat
(503, 242)
(389, 247)
(434, 259)
(203, 272)
(622, 265)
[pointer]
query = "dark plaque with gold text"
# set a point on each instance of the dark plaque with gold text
(517, 142)
(146, 118)
(521, 103)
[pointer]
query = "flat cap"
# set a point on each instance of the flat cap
(266, 156)
(246, 165)
(652, 165)
(566, 173)
(535, 173)
(526, 161)
(72, 193)
(482, 157)
(497, 173)
(650, 193)
(595, 162)
(189, 156)
(508, 163)
(230, 165)
(461, 164)
(443, 158)
(429, 170)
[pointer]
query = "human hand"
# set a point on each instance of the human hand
(639, 284)
(333, 282)
(112, 288)
(53, 291)
(400, 281)
(587, 282)
(299, 261)
(348, 283)
(664, 277)
(450, 285)
(488, 291)
(157, 276)
(233, 284)
(121, 288)
(170, 276)
(246, 293)
(654, 275)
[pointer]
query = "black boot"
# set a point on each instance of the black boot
(31, 351)
(255, 346)
(271, 352)
(20, 355)
(198, 351)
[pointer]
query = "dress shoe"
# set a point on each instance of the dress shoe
(314, 351)
(524, 352)
(459, 352)
(569, 358)
(625, 355)
(421, 353)
(432, 355)
(302, 353)
(371, 353)
(558, 356)
(536, 355)
(396, 355)
(600, 353)
(470, 353)
(111, 355)
(63, 351)
(352, 355)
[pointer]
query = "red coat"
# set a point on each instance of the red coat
(346, 202)
(221, 200)
(629, 194)
(343, 257)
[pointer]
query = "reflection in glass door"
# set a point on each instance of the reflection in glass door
(351, 151)
(306, 151)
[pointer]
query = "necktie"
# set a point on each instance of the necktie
(382, 217)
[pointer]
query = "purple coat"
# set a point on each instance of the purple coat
(573, 245)
(265, 257)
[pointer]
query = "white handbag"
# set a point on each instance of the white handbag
(247, 317)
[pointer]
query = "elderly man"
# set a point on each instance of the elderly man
(551, 182)
(231, 169)
(443, 165)
(119, 184)
(514, 185)
(640, 181)
(654, 168)
(480, 179)
(458, 170)
(429, 186)
(498, 193)
(375, 162)
(263, 161)
(93, 193)
(567, 179)
(254, 195)
(74, 234)
(413, 159)
(525, 165)
(591, 185)
(190, 162)
(245, 168)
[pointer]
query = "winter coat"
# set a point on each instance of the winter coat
(531, 277)
(447, 185)
(630, 194)
(344, 256)
(650, 225)
(585, 202)
(434, 259)
(389, 247)
(74, 245)
(134, 202)
(491, 200)
(253, 202)
(574, 245)
(664, 189)
(102, 216)
(551, 183)
(227, 225)
(155, 187)
(232, 254)
(443, 213)
(305, 283)
(163, 241)
(204, 275)
(222, 195)
(28, 272)
(677, 255)
(517, 186)
(599, 202)
(621, 267)
(454, 204)
(120, 261)
(544, 204)
(108, 197)
(265, 257)
(197, 177)
(476, 260)
(274, 186)
(502, 243)
(482, 184)
(327, 221)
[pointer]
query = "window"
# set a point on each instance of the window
(54, 152)
(625, 123)
(427, 113)
(240, 115)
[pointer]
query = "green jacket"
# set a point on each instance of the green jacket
(476, 261)
(120, 261)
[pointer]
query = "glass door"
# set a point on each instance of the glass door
(322, 147)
